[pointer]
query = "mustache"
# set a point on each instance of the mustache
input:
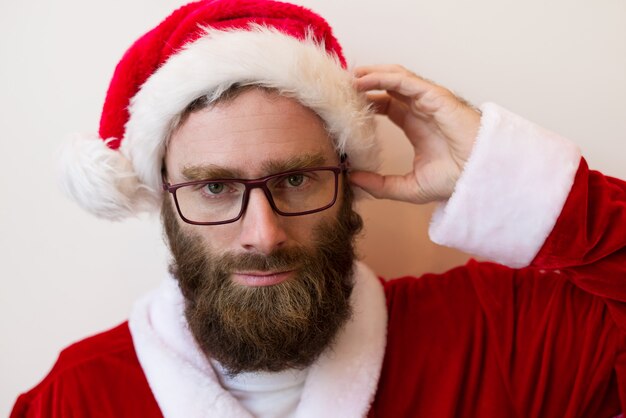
(280, 259)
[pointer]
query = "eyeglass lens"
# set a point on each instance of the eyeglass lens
(292, 193)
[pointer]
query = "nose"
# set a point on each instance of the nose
(261, 227)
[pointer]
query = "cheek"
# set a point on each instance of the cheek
(300, 231)
(216, 238)
(304, 229)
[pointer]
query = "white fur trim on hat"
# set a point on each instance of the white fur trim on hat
(300, 69)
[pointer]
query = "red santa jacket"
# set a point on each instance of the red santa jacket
(482, 340)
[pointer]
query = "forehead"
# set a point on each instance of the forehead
(246, 133)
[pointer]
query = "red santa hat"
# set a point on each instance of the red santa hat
(202, 49)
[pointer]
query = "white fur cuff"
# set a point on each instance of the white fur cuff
(511, 192)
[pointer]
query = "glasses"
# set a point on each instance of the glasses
(292, 193)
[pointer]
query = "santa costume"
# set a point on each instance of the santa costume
(540, 332)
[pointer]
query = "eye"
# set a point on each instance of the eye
(295, 180)
(214, 188)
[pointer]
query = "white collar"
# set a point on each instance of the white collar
(342, 382)
(260, 381)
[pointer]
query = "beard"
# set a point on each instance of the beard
(266, 328)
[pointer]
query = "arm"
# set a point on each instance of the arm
(550, 333)
(522, 195)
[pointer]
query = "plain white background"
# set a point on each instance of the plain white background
(65, 275)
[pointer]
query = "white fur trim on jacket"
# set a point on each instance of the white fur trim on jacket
(341, 383)
(511, 192)
(300, 69)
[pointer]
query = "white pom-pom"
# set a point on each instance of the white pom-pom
(102, 180)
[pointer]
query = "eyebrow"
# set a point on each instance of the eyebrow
(294, 163)
(204, 172)
(211, 171)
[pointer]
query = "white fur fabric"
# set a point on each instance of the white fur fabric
(511, 192)
(300, 69)
(102, 180)
(341, 383)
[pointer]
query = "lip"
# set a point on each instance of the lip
(261, 278)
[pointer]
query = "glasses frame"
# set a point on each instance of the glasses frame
(260, 183)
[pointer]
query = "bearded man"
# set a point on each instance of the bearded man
(240, 122)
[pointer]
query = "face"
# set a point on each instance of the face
(257, 134)
(266, 292)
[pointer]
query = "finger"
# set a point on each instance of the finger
(380, 102)
(382, 98)
(407, 101)
(385, 104)
(392, 187)
(382, 68)
(389, 104)
(406, 85)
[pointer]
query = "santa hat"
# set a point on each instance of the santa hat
(202, 49)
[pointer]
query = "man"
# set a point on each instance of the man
(239, 121)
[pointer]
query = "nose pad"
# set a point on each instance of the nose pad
(261, 227)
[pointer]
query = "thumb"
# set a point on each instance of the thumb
(386, 187)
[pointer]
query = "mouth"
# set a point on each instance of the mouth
(261, 278)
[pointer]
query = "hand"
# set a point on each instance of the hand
(440, 126)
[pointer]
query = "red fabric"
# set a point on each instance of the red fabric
(97, 377)
(545, 341)
(150, 51)
(481, 340)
